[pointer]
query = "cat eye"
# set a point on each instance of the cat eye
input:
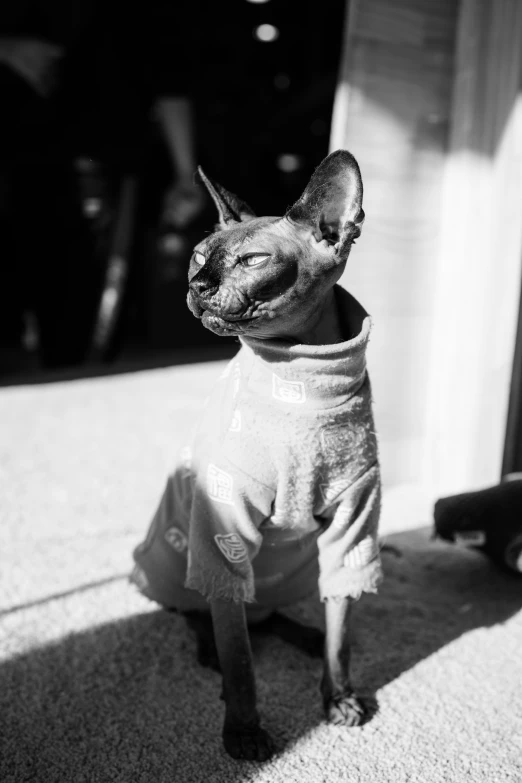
(255, 259)
(199, 258)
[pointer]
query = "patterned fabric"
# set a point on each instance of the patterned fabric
(280, 490)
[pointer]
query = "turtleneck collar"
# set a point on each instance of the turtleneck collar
(312, 376)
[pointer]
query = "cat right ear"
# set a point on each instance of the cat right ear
(231, 209)
(331, 204)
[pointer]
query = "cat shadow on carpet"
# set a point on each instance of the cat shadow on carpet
(433, 593)
(128, 699)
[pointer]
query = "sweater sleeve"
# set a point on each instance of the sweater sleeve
(228, 508)
(349, 561)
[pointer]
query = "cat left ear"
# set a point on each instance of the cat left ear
(331, 204)
(231, 209)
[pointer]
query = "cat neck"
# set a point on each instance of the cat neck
(325, 326)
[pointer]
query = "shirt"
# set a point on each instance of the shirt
(280, 489)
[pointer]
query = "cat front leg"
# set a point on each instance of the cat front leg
(341, 704)
(243, 736)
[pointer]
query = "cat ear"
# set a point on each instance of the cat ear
(332, 202)
(231, 209)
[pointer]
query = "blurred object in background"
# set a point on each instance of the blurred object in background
(246, 90)
(60, 90)
(184, 200)
(116, 255)
(242, 88)
(267, 95)
(489, 520)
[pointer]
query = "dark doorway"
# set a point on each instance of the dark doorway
(263, 82)
(260, 77)
(512, 461)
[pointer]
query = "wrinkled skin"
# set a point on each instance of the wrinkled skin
(277, 296)
(272, 277)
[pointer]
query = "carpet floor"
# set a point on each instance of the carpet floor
(98, 684)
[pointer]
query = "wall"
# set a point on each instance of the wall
(428, 103)
(392, 112)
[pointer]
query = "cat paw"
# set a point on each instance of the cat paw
(346, 710)
(250, 743)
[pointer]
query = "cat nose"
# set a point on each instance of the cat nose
(202, 285)
(206, 277)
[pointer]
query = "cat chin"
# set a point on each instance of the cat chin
(222, 327)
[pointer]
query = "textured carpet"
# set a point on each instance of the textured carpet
(96, 684)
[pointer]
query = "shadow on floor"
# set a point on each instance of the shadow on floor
(127, 700)
(434, 592)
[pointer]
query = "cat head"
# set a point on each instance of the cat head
(265, 276)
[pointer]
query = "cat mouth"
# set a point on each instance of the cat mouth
(224, 326)
(219, 324)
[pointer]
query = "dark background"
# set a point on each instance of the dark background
(253, 102)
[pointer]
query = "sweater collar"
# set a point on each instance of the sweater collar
(313, 376)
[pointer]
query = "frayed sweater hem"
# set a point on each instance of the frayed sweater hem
(352, 585)
(212, 587)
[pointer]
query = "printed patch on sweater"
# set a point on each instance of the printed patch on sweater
(351, 446)
(341, 440)
(219, 485)
(342, 517)
(288, 391)
(177, 539)
(362, 554)
(231, 546)
(349, 441)
(235, 424)
(330, 491)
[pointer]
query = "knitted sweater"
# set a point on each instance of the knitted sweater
(280, 489)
